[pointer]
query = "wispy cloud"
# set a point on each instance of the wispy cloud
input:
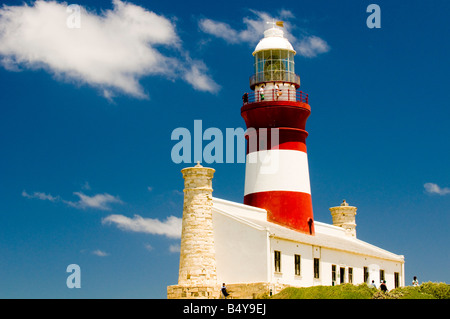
(175, 248)
(100, 253)
(435, 189)
(197, 75)
(41, 196)
(98, 201)
(311, 46)
(148, 247)
(86, 186)
(305, 44)
(171, 227)
(111, 51)
(221, 30)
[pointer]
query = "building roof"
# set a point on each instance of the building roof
(326, 235)
(274, 39)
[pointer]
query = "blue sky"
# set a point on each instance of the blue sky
(86, 116)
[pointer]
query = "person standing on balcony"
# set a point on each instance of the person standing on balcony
(277, 91)
(261, 93)
(245, 98)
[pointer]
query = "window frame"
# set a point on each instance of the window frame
(297, 265)
(316, 265)
(277, 261)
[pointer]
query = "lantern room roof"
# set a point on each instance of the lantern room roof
(274, 39)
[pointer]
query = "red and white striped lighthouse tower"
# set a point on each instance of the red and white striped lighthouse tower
(276, 173)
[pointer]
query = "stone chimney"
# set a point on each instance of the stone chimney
(197, 277)
(344, 216)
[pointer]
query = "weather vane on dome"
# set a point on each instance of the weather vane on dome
(276, 23)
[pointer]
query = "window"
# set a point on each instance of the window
(297, 266)
(333, 274)
(277, 255)
(342, 275)
(381, 275)
(316, 268)
(350, 275)
(366, 274)
(396, 279)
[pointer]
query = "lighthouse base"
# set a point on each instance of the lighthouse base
(255, 290)
(289, 209)
(193, 292)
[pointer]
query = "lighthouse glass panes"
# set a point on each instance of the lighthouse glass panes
(274, 65)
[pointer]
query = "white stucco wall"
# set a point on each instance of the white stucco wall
(328, 257)
(241, 251)
(245, 243)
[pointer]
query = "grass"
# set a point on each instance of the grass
(428, 290)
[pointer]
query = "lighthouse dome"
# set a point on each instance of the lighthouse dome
(273, 39)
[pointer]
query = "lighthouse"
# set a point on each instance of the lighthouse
(275, 113)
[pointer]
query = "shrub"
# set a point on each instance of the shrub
(428, 290)
(408, 292)
(344, 291)
(438, 290)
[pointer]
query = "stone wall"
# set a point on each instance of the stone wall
(237, 291)
(193, 292)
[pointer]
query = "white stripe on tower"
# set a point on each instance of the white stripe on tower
(277, 170)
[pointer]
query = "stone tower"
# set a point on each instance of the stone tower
(344, 216)
(197, 273)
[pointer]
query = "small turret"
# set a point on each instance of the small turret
(344, 216)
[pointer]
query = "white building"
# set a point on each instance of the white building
(233, 243)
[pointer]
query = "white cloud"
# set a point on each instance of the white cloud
(41, 196)
(435, 189)
(171, 227)
(111, 51)
(251, 34)
(148, 247)
(311, 46)
(175, 248)
(220, 30)
(100, 253)
(197, 77)
(305, 45)
(286, 14)
(99, 201)
(86, 186)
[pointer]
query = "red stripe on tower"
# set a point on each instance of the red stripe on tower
(277, 174)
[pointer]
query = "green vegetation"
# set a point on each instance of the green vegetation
(427, 290)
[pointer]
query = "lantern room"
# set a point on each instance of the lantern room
(274, 62)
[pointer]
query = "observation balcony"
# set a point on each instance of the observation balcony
(282, 94)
